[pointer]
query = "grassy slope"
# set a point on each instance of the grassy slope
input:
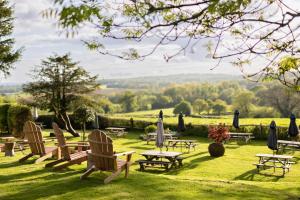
(231, 176)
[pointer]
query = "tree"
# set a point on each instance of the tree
(8, 55)
(219, 106)
(185, 107)
(58, 82)
(200, 105)
(284, 100)
(243, 102)
(243, 30)
(83, 115)
(129, 102)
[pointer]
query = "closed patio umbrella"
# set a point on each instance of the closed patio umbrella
(161, 115)
(160, 134)
(293, 129)
(181, 126)
(235, 122)
(272, 138)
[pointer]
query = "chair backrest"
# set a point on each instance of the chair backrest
(102, 151)
(61, 141)
(34, 136)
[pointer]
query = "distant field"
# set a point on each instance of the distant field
(151, 116)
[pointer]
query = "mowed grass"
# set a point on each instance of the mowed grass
(151, 115)
(202, 177)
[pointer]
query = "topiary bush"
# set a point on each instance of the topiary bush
(3, 117)
(17, 115)
(150, 129)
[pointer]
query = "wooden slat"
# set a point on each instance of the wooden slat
(35, 139)
(61, 141)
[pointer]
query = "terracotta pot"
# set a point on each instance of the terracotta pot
(216, 149)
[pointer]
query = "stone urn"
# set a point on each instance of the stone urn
(216, 149)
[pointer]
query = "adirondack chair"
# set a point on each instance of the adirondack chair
(102, 157)
(70, 159)
(34, 136)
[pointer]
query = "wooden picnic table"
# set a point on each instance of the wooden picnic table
(116, 131)
(242, 136)
(282, 144)
(274, 161)
(9, 144)
(152, 137)
(188, 144)
(154, 158)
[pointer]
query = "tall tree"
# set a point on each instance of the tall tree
(58, 82)
(244, 30)
(8, 55)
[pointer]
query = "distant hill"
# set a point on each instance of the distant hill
(162, 81)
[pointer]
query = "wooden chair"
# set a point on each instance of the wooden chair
(102, 157)
(35, 140)
(70, 159)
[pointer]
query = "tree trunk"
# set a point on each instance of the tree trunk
(65, 121)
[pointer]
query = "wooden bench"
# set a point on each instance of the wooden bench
(146, 163)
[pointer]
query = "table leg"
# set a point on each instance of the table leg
(9, 148)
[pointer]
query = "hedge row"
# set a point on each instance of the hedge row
(13, 117)
(259, 132)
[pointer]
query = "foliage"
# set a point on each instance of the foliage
(8, 55)
(243, 102)
(129, 102)
(150, 129)
(185, 107)
(219, 106)
(241, 30)
(3, 117)
(218, 133)
(58, 83)
(17, 115)
(82, 115)
(200, 105)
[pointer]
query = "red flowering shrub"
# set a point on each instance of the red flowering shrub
(218, 133)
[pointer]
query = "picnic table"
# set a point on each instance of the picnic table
(241, 136)
(8, 147)
(116, 131)
(152, 137)
(188, 144)
(168, 160)
(282, 144)
(274, 161)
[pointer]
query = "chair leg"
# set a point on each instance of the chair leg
(26, 157)
(41, 159)
(60, 167)
(111, 177)
(127, 170)
(88, 172)
(51, 164)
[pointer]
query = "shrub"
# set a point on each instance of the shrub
(261, 112)
(185, 107)
(150, 129)
(3, 117)
(218, 134)
(17, 116)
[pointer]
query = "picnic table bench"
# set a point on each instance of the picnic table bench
(152, 137)
(155, 159)
(241, 136)
(283, 144)
(116, 131)
(188, 144)
(274, 161)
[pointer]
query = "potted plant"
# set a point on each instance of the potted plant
(219, 134)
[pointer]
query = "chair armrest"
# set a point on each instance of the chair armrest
(124, 153)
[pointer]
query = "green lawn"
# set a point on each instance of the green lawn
(229, 177)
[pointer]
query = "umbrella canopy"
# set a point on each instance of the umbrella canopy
(35, 114)
(272, 138)
(161, 114)
(293, 129)
(236, 119)
(181, 126)
(96, 122)
(160, 134)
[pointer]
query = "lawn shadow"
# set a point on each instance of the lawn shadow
(254, 175)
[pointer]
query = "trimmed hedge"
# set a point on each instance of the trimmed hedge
(3, 117)
(259, 132)
(17, 115)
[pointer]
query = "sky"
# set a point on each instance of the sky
(41, 38)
